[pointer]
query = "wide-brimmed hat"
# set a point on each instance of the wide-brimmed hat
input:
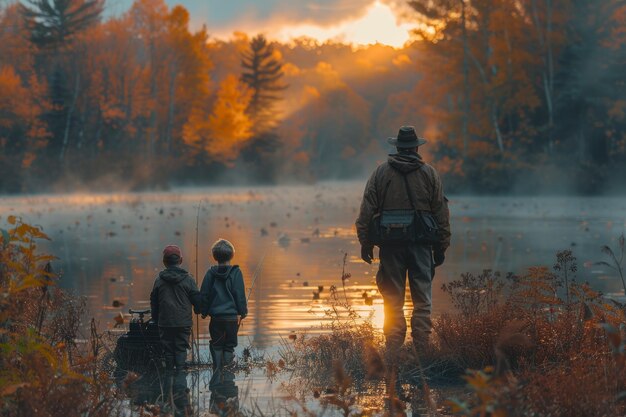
(407, 138)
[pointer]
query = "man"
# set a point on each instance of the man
(404, 173)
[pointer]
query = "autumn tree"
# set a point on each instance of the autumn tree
(176, 70)
(22, 132)
(590, 87)
(221, 133)
(55, 26)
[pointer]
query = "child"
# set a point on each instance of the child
(172, 296)
(223, 298)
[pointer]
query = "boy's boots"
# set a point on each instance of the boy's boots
(217, 356)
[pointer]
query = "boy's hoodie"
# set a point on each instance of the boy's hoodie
(223, 293)
(172, 296)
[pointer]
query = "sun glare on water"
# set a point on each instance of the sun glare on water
(378, 25)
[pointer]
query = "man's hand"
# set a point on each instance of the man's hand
(367, 253)
(439, 256)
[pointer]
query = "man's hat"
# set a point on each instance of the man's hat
(171, 251)
(407, 138)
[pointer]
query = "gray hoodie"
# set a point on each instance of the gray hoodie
(223, 293)
(172, 296)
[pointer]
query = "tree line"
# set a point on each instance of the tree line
(512, 96)
(131, 96)
(533, 91)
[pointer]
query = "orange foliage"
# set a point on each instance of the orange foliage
(222, 133)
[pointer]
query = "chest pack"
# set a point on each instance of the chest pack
(398, 227)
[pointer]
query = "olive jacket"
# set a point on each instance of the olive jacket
(173, 294)
(424, 183)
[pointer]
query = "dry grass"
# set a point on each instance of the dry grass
(42, 371)
(540, 343)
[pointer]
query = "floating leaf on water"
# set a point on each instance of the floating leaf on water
(119, 320)
(284, 240)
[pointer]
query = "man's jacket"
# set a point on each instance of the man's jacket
(223, 293)
(172, 296)
(424, 184)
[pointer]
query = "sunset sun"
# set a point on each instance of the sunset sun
(377, 25)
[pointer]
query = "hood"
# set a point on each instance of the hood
(222, 272)
(405, 162)
(173, 274)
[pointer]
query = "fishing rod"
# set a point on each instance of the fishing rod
(197, 338)
(256, 275)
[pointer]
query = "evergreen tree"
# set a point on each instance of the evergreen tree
(263, 74)
(53, 23)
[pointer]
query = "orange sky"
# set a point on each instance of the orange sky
(360, 22)
(378, 24)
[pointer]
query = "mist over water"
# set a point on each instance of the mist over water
(109, 245)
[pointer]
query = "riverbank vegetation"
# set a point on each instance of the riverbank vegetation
(43, 372)
(507, 94)
(537, 343)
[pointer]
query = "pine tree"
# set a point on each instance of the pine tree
(263, 74)
(53, 23)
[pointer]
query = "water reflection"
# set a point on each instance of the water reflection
(109, 245)
(224, 392)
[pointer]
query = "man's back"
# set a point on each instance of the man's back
(388, 182)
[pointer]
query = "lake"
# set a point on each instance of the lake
(109, 246)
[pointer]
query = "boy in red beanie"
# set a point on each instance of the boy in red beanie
(173, 294)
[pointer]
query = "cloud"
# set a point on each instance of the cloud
(224, 17)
